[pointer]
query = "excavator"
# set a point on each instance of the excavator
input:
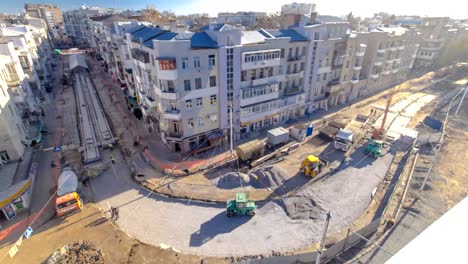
(313, 165)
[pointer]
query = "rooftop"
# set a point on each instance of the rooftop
(284, 33)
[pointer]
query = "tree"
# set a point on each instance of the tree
(153, 15)
(271, 21)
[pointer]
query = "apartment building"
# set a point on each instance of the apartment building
(247, 19)
(176, 84)
(389, 57)
(50, 13)
(12, 129)
(434, 31)
(33, 50)
(187, 85)
(76, 23)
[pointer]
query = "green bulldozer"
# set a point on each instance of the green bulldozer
(240, 206)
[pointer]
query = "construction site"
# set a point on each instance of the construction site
(346, 170)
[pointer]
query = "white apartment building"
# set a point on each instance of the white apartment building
(177, 84)
(247, 19)
(12, 129)
(185, 84)
(76, 23)
(434, 33)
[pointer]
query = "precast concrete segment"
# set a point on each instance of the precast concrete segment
(103, 127)
(90, 149)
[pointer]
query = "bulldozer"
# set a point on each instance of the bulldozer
(313, 165)
(240, 206)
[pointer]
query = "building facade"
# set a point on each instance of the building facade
(433, 34)
(76, 23)
(246, 19)
(50, 13)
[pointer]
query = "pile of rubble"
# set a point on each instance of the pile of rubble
(81, 252)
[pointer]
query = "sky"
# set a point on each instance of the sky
(364, 8)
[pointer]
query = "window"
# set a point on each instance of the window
(187, 85)
(302, 66)
(196, 62)
(347, 64)
(317, 36)
(167, 64)
(212, 81)
(230, 96)
(199, 101)
(190, 122)
(295, 68)
(185, 63)
(211, 61)
(253, 75)
(303, 51)
(282, 53)
(270, 71)
(297, 51)
(213, 99)
(244, 76)
(201, 122)
(197, 83)
(280, 86)
(324, 76)
(170, 85)
(188, 104)
(288, 69)
(290, 53)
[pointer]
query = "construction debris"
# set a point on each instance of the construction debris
(81, 252)
(233, 180)
(268, 177)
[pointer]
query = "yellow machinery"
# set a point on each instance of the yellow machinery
(312, 165)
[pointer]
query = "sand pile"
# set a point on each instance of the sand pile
(268, 177)
(233, 180)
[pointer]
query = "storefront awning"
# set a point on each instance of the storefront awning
(14, 192)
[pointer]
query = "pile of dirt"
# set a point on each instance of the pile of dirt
(81, 252)
(233, 180)
(302, 206)
(268, 177)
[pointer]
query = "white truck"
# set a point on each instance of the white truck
(349, 135)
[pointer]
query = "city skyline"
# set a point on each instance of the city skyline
(363, 8)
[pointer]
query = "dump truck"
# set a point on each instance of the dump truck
(251, 150)
(68, 200)
(312, 166)
(332, 128)
(240, 206)
(348, 135)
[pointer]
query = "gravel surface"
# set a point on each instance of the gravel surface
(233, 180)
(204, 229)
(270, 176)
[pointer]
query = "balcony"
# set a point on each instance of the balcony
(262, 81)
(167, 74)
(397, 60)
(167, 94)
(381, 51)
(374, 76)
(392, 49)
(401, 47)
(172, 115)
(354, 80)
(394, 70)
(357, 67)
(360, 54)
(390, 61)
(377, 63)
(386, 72)
(292, 90)
(150, 101)
(324, 69)
(294, 58)
(254, 95)
(296, 75)
(256, 59)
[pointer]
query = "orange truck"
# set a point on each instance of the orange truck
(68, 200)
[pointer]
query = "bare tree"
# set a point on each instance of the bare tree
(271, 21)
(153, 15)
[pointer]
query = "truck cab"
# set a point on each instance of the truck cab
(68, 203)
(343, 140)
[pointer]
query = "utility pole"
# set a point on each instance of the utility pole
(461, 101)
(324, 235)
(231, 134)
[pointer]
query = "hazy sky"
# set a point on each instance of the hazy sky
(452, 8)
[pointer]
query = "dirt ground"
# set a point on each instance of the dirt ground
(92, 225)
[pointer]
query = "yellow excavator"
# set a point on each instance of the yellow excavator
(312, 165)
